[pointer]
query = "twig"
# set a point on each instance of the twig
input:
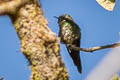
(94, 48)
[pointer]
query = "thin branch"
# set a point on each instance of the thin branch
(94, 48)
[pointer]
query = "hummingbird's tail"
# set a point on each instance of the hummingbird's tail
(76, 59)
(76, 55)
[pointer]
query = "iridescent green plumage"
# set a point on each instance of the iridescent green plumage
(70, 34)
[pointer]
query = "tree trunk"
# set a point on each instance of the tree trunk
(38, 43)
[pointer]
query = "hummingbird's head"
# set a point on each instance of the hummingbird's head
(64, 18)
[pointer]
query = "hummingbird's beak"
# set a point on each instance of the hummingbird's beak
(55, 17)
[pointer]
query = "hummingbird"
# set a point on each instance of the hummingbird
(70, 34)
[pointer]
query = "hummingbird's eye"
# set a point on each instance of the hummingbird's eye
(61, 19)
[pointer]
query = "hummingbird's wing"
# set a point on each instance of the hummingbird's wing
(76, 55)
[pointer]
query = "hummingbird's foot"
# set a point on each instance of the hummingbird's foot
(59, 39)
